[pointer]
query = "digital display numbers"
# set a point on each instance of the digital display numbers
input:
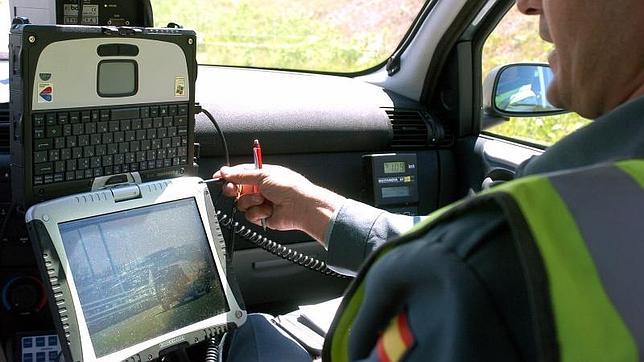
(395, 167)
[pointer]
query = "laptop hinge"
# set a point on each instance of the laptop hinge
(124, 193)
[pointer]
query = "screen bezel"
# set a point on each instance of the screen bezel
(82, 206)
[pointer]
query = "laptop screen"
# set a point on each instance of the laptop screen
(142, 273)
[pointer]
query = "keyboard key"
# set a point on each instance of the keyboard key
(59, 177)
(154, 111)
(71, 141)
(150, 165)
(59, 142)
(90, 127)
(157, 122)
(78, 129)
(176, 141)
(83, 164)
(158, 163)
(168, 121)
(124, 113)
(151, 155)
(69, 176)
(167, 162)
(101, 150)
(124, 147)
(152, 134)
(83, 140)
(147, 123)
(172, 131)
(108, 170)
(146, 145)
(86, 116)
(70, 165)
(162, 132)
(88, 151)
(119, 159)
(77, 152)
(95, 139)
(119, 137)
(43, 168)
(95, 162)
(182, 110)
(176, 161)
(50, 119)
(143, 165)
(40, 156)
(182, 131)
(95, 116)
(136, 124)
(114, 126)
(59, 166)
(54, 131)
(65, 153)
(163, 111)
(144, 112)
(130, 136)
(80, 174)
(39, 132)
(101, 127)
(126, 125)
(54, 155)
(172, 110)
(116, 169)
(140, 134)
(67, 130)
(74, 117)
(89, 173)
(107, 160)
(105, 115)
(63, 118)
(38, 180)
(134, 167)
(47, 179)
(108, 137)
(135, 146)
(180, 121)
(140, 156)
(38, 120)
(156, 144)
(43, 144)
(112, 149)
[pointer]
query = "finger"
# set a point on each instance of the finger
(245, 202)
(257, 213)
(242, 174)
(230, 189)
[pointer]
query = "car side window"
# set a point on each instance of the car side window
(516, 39)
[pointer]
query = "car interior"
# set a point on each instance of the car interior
(422, 106)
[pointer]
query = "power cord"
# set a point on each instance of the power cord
(259, 240)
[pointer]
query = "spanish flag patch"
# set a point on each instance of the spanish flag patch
(396, 340)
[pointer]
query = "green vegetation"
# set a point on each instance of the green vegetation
(336, 36)
(516, 39)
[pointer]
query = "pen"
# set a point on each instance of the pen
(257, 157)
(210, 181)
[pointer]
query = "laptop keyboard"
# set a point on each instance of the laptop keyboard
(90, 143)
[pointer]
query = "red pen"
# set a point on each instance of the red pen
(257, 157)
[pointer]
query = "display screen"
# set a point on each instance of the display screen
(142, 273)
(117, 78)
(395, 167)
(396, 191)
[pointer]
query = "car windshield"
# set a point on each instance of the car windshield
(341, 36)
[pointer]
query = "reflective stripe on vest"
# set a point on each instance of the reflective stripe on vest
(589, 232)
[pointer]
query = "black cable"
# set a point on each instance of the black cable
(212, 351)
(276, 248)
(221, 134)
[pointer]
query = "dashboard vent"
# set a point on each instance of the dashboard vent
(409, 126)
(4, 128)
(415, 128)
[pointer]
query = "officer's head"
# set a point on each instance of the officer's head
(598, 59)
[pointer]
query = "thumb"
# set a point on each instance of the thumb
(242, 174)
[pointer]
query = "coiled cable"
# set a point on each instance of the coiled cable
(275, 248)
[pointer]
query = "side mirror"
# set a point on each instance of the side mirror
(517, 90)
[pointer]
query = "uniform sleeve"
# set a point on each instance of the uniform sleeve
(357, 229)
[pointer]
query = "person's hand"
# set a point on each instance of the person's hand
(284, 198)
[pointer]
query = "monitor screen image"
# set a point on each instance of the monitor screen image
(142, 273)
